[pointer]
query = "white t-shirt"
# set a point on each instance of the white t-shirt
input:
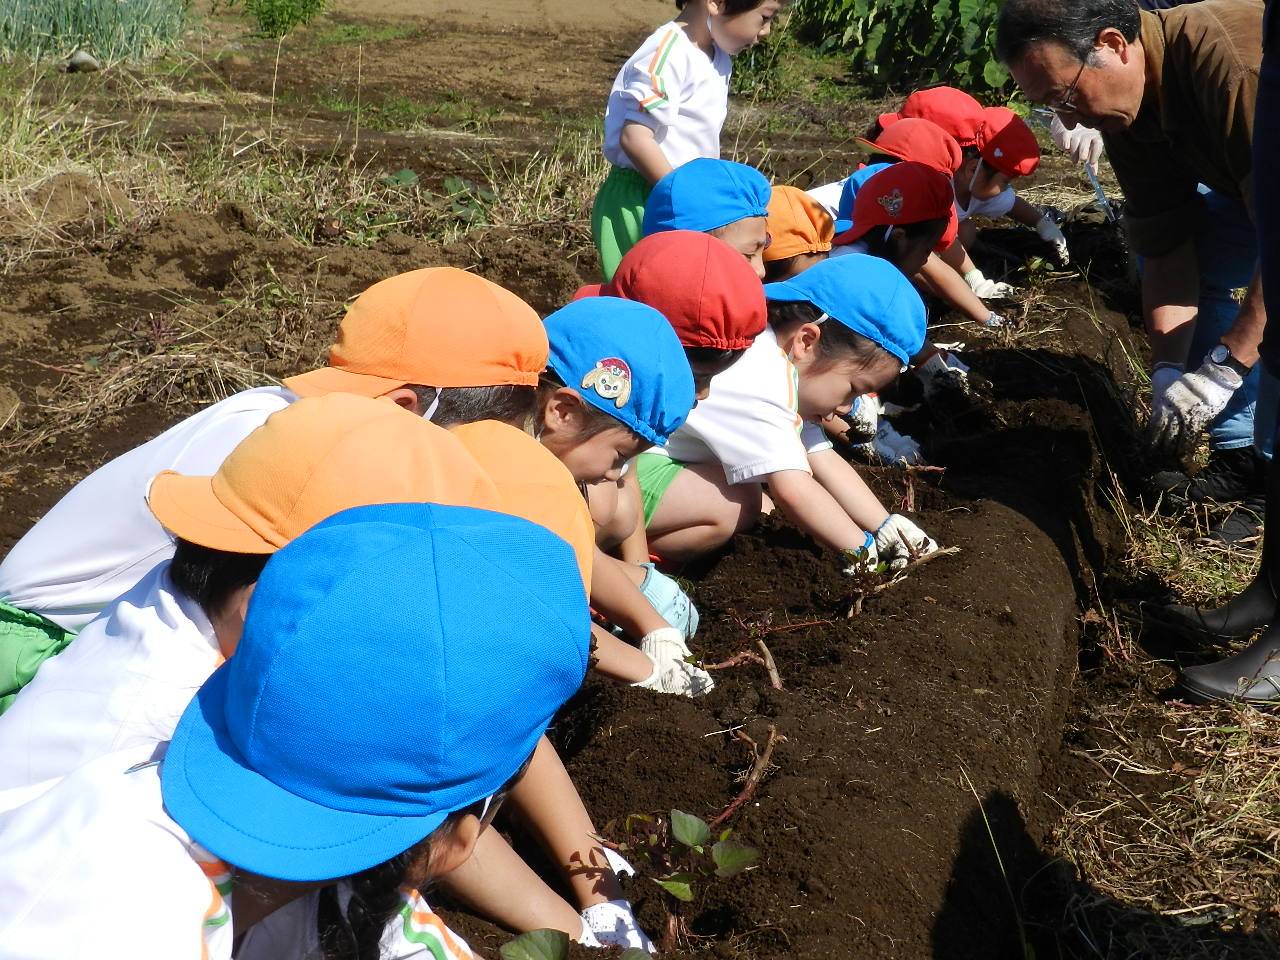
(100, 538)
(995, 208)
(97, 868)
(677, 91)
(122, 683)
(750, 423)
(828, 196)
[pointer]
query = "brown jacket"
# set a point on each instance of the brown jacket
(1196, 120)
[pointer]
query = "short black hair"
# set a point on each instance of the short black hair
(508, 403)
(210, 577)
(1074, 24)
(596, 421)
(837, 343)
(878, 246)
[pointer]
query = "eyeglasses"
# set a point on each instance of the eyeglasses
(1066, 102)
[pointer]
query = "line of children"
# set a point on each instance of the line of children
(667, 107)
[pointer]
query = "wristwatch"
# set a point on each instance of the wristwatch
(1221, 355)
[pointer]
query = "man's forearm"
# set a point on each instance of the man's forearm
(1246, 333)
(1170, 298)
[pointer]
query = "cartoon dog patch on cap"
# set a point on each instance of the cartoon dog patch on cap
(611, 378)
(892, 202)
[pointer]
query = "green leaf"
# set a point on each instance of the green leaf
(537, 945)
(680, 889)
(401, 178)
(995, 73)
(732, 858)
(690, 830)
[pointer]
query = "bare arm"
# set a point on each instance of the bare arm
(1170, 295)
(635, 548)
(641, 147)
(950, 286)
(1026, 213)
(806, 502)
(1246, 333)
(839, 479)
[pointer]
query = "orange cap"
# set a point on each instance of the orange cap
(311, 460)
(439, 327)
(797, 224)
(534, 485)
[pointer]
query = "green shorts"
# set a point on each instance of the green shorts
(617, 216)
(654, 474)
(26, 641)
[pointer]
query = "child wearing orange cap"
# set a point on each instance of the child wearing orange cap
(800, 232)
(667, 106)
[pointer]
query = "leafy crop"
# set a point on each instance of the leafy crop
(275, 18)
(109, 29)
(911, 43)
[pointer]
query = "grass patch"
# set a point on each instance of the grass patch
(400, 113)
(110, 29)
(336, 34)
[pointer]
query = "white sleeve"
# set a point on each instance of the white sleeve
(653, 81)
(750, 436)
(815, 438)
(997, 207)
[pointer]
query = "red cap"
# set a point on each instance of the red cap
(907, 192)
(922, 140)
(953, 110)
(1007, 143)
(706, 289)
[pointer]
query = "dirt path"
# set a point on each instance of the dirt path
(605, 16)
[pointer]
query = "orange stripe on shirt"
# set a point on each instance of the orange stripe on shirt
(655, 63)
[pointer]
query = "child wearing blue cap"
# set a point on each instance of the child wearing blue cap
(725, 199)
(666, 107)
(841, 329)
(231, 839)
(617, 383)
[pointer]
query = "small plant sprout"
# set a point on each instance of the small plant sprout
(551, 945)
(681, 854)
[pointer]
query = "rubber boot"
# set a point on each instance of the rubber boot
(1230, 476)
(1252, 676)
(1254, 607)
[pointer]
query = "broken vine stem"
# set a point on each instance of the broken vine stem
(753, 778)
(764, 658)
(897, 578)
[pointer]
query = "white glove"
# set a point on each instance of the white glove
(665, 643)
(943, 372)
(1189, 403)
(994, 321)
(862, 560)
(894, 447)
(1050, 232)
(1162, 377)
(988, 289)
(900, 541)
(1084, 144)
(612, 924)
(864, 418)
(675, 676)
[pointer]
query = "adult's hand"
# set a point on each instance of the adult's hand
(1187, 405)
(1083, 144)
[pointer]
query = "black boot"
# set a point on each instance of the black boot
(1241, 527)
(1252, 676)
(1229, 477)
(1255, 606)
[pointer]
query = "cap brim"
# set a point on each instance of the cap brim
(850, 234)
(781, 252)
(241, 817)
(326, 380)
(879, 148)
(188, 508)
(590, 290)
(783, 291)
(888, 119)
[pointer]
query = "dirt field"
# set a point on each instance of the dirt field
(979, 763)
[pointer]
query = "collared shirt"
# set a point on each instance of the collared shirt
(1196, 120)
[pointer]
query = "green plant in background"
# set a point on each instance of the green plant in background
(911, 43)
(109, 29)
(275, 18)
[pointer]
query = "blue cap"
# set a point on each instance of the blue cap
(852, 184)
(868, 295)
(624, 358)
(399, 662)
(705, 194)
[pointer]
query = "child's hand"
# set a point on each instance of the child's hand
(862, 561)
(613, 924)
(665, 643)
(943, 373)
(894, 447)
(900, 541)
(988, 289)
(1050, 232)
(678, 677)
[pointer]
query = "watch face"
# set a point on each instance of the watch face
(1220, 354)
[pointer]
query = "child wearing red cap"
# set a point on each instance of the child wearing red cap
(667, 106)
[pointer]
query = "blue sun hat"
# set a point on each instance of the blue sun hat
(706, 194)
(844, 212)
(624, 358)
(868, 295)
(399, 662)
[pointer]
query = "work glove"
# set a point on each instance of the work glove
(1083, 144)
(864, 418)
(671, 675)
(861, 560)
(1050, 232)
(1162, 377)
(1186, 406)
(995, 321)
(665, 643)
(613, 924)
(899, 541)
(988, 289)
(671, 602)
(943, 373)
(894, 447)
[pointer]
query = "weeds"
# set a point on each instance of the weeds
(275, 18)
(111, 29)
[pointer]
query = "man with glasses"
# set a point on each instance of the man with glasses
(1173, 92)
